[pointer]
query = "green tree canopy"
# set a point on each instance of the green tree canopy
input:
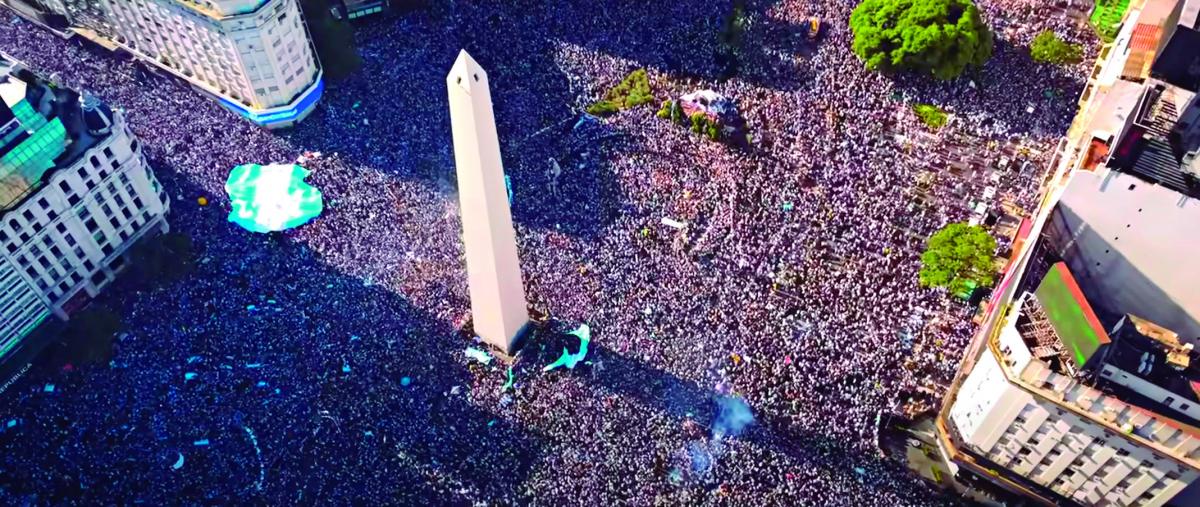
(959, 257)
(1047, 47)
(633, 91)
(938, 37)
(932, 116)
(334, 39)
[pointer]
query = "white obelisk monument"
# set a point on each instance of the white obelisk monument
(493, 271)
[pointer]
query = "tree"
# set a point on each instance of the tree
(959, 257)
(1047, 47)
(729, 41)
(632, 91)
(932, 116)
(162, 259)
(88, 337)
(333, 38)
(938, 37)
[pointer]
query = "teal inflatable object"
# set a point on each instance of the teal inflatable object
(271, 197)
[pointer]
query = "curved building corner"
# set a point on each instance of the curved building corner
(254, 56)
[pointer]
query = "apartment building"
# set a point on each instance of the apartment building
(75, 194)
(254, 56)
(1071, 408)
(1082, 386)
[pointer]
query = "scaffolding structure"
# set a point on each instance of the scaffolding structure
(1045, 341)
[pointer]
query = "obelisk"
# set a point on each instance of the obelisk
(493, 271)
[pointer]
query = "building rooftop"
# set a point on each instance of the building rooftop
(1189, 15)
(1155, 147)
(1178, 62)
(1157, 356)
(44, 128)
(1143, 47)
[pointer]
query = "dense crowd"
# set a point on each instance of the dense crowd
(324, 364)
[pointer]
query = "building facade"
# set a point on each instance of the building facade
(1089, 394)
(354, 9)
(75, 194)
(254, 56)
(1023, 411)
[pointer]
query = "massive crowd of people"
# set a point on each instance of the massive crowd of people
(324, 364)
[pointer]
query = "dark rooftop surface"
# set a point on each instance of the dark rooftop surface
(1178, 62)
(1162, 155)
(1147, 358)
(1157, 164)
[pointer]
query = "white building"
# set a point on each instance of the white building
(21, 307)
(254, 56)
(1127, 228)
(1090, 393)
(75, 194)
(1031, 408)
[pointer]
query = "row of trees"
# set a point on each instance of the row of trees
(941, 38)
(698, 122)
